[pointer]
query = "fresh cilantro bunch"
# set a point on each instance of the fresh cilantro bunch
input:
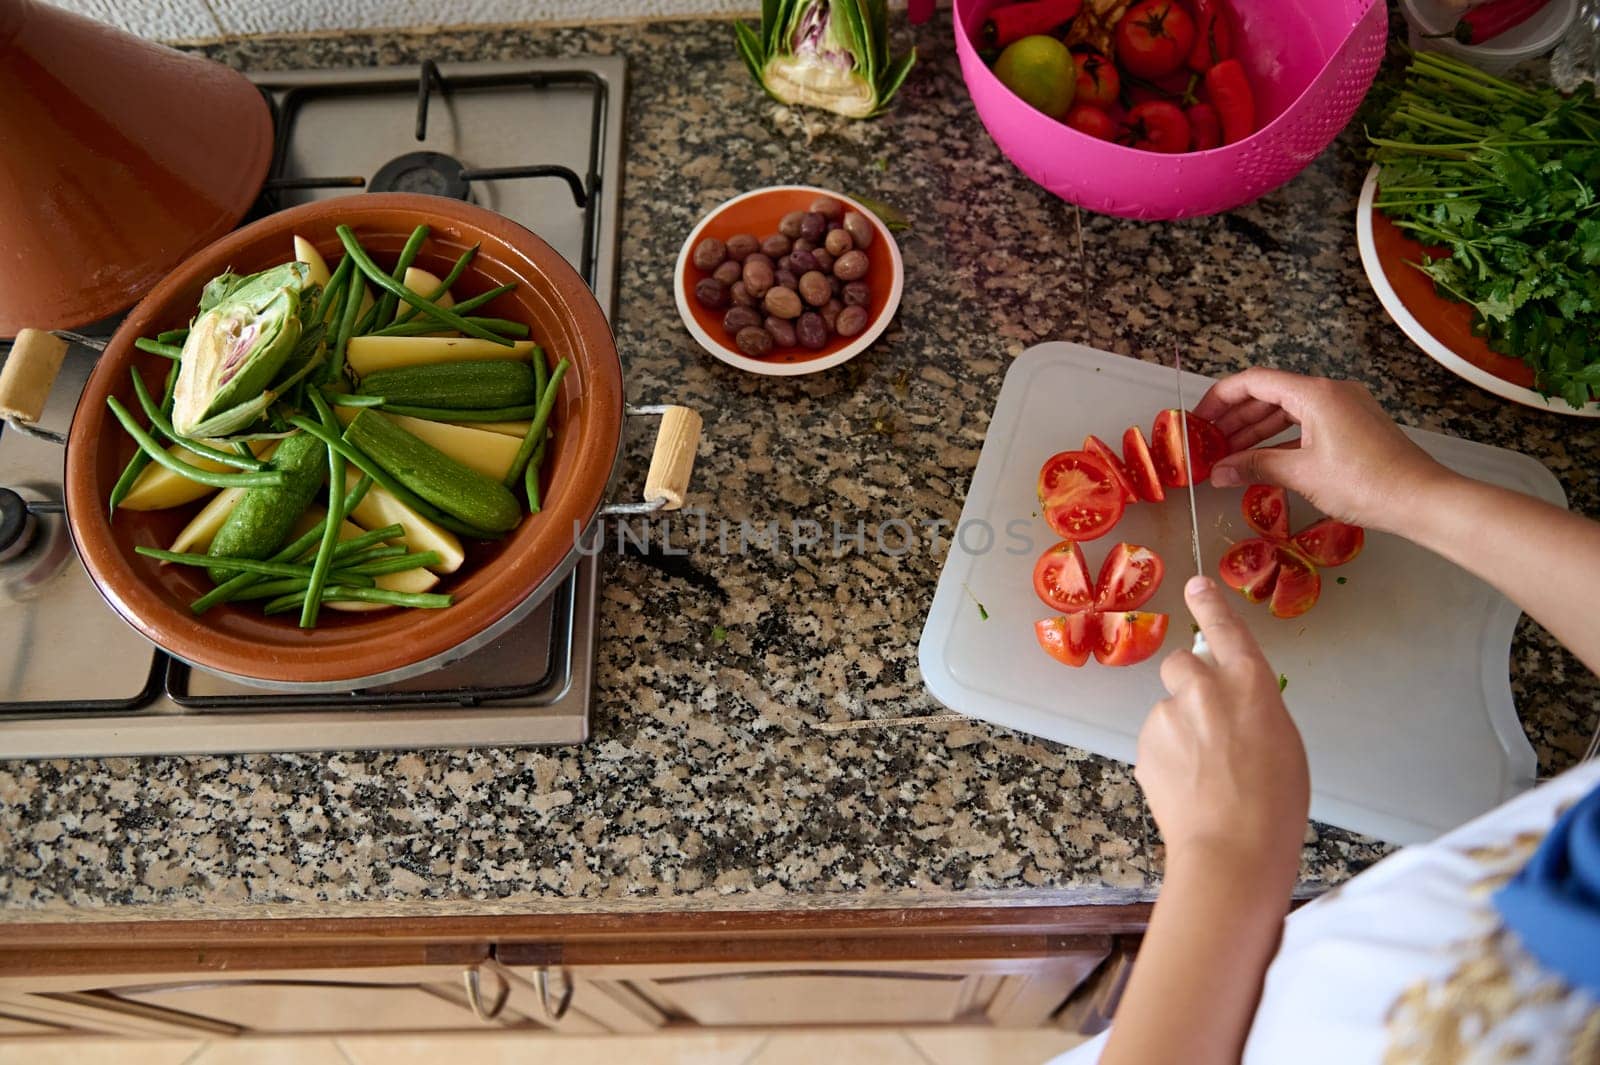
(1506, 178)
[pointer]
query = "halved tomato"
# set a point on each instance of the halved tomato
(1206, 446)
(1067, 639)
(1129, 577)
(1297, 587)
(1129, 637)
(1141, 468)
(1097, 447)
(1250, 567)
(1078, 496)
(1329, 542)
(1061, 579)
(1266, 509)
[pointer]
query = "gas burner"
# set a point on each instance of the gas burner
(430, 173)
(16, 525)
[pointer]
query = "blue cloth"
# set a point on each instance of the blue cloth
(1553, 904)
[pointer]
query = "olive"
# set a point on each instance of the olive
(802, 244)
(742, 245)
(813, 227)
(811, 330)
(860, 230)
(728, 272)
(709, 253)
(739, 317)
(783, 302)
(776, 245)
(781, 332)
(741, 295)
(786, 279)
(785, 263)
(830, 313)
(754, 341)
(790, 224)
(814, 288)
(758, 274)
(824, 260)
(851, 266)
(856, 294)
(711, 293)
(828, 207)
(802, 261)
(838, 242)
(851, 321)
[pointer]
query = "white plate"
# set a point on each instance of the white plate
(1436, 349)
(873, 330)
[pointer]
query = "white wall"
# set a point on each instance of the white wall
(190, 19)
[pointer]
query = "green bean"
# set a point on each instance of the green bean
(156, 347)
(381, 553)
(347, 323)
(541, 417)
(345, 399)
(356, 457)
(503, 326)
(474, 302)
(451, 278)
(444, 414)
(451, 319)
(343, 593)
(332, 525)
(261, 479)
(364, 325)
(137, 464)
(541, 372)
(399, 564)
(249, 565)
(530, 478)
(159, 422)
(333, 292)
(408, 255)
(287, 585)
(173, 336)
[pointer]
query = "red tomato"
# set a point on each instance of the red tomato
(1250, 567)
(1087, 118)
(1099, 84)
(1329, 542)
(1266, 510)
(1061, 579)
(1297, 587)
(1154, 38)
(1129, 637)
(1078, 496)
(1156, 126)
(1206, 446)
(1229, 89)
(1141, 468)
(1205, 128)
(1068, 639)
(1129, 577)
(1098, 448)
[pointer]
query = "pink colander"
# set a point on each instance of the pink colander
(1310, 62)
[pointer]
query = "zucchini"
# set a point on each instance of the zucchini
(460, 491)
(263, 518)
(455, 385)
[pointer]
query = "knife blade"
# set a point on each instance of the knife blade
(1200, 649)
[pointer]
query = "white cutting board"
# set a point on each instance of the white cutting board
(1398, 679)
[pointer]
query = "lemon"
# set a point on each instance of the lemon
(1040, 70)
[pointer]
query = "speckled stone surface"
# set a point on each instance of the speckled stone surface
(708, 782)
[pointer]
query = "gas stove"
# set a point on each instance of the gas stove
(538, 141)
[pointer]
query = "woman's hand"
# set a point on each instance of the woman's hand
(1221, 762)
(1351, 461)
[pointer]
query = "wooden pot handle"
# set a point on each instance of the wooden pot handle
(30, 370)
(672, 462)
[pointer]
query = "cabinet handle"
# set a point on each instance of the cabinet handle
(475, 995)
(541, 980)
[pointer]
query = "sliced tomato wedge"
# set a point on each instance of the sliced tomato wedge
(1329, 542)
(1061, 579)
(1141, 468)
(1206, 446)
(1068, 639)
(1250, 567)
(1099, 449)
(1266, 509)
(1129, 578)
(1297, 587)
(1078, 496)
(1129, 637)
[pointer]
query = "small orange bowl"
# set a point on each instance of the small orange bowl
(758, 213)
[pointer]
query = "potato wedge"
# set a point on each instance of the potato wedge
(411, 580)
(202, 528)
(369, 353)
(379, 508)
(306, 252)
(158, 488)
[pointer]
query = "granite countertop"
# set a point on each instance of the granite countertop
(708, 782)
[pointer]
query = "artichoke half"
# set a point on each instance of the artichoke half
(247, 329)
(832, 54)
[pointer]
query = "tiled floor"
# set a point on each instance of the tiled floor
(915, 1046)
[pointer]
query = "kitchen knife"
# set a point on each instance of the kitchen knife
(1200, 649)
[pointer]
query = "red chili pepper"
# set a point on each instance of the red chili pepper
(1016, 21)
(1213, 37)
(1490, 20)
(1230, 93)
(1205, 128)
